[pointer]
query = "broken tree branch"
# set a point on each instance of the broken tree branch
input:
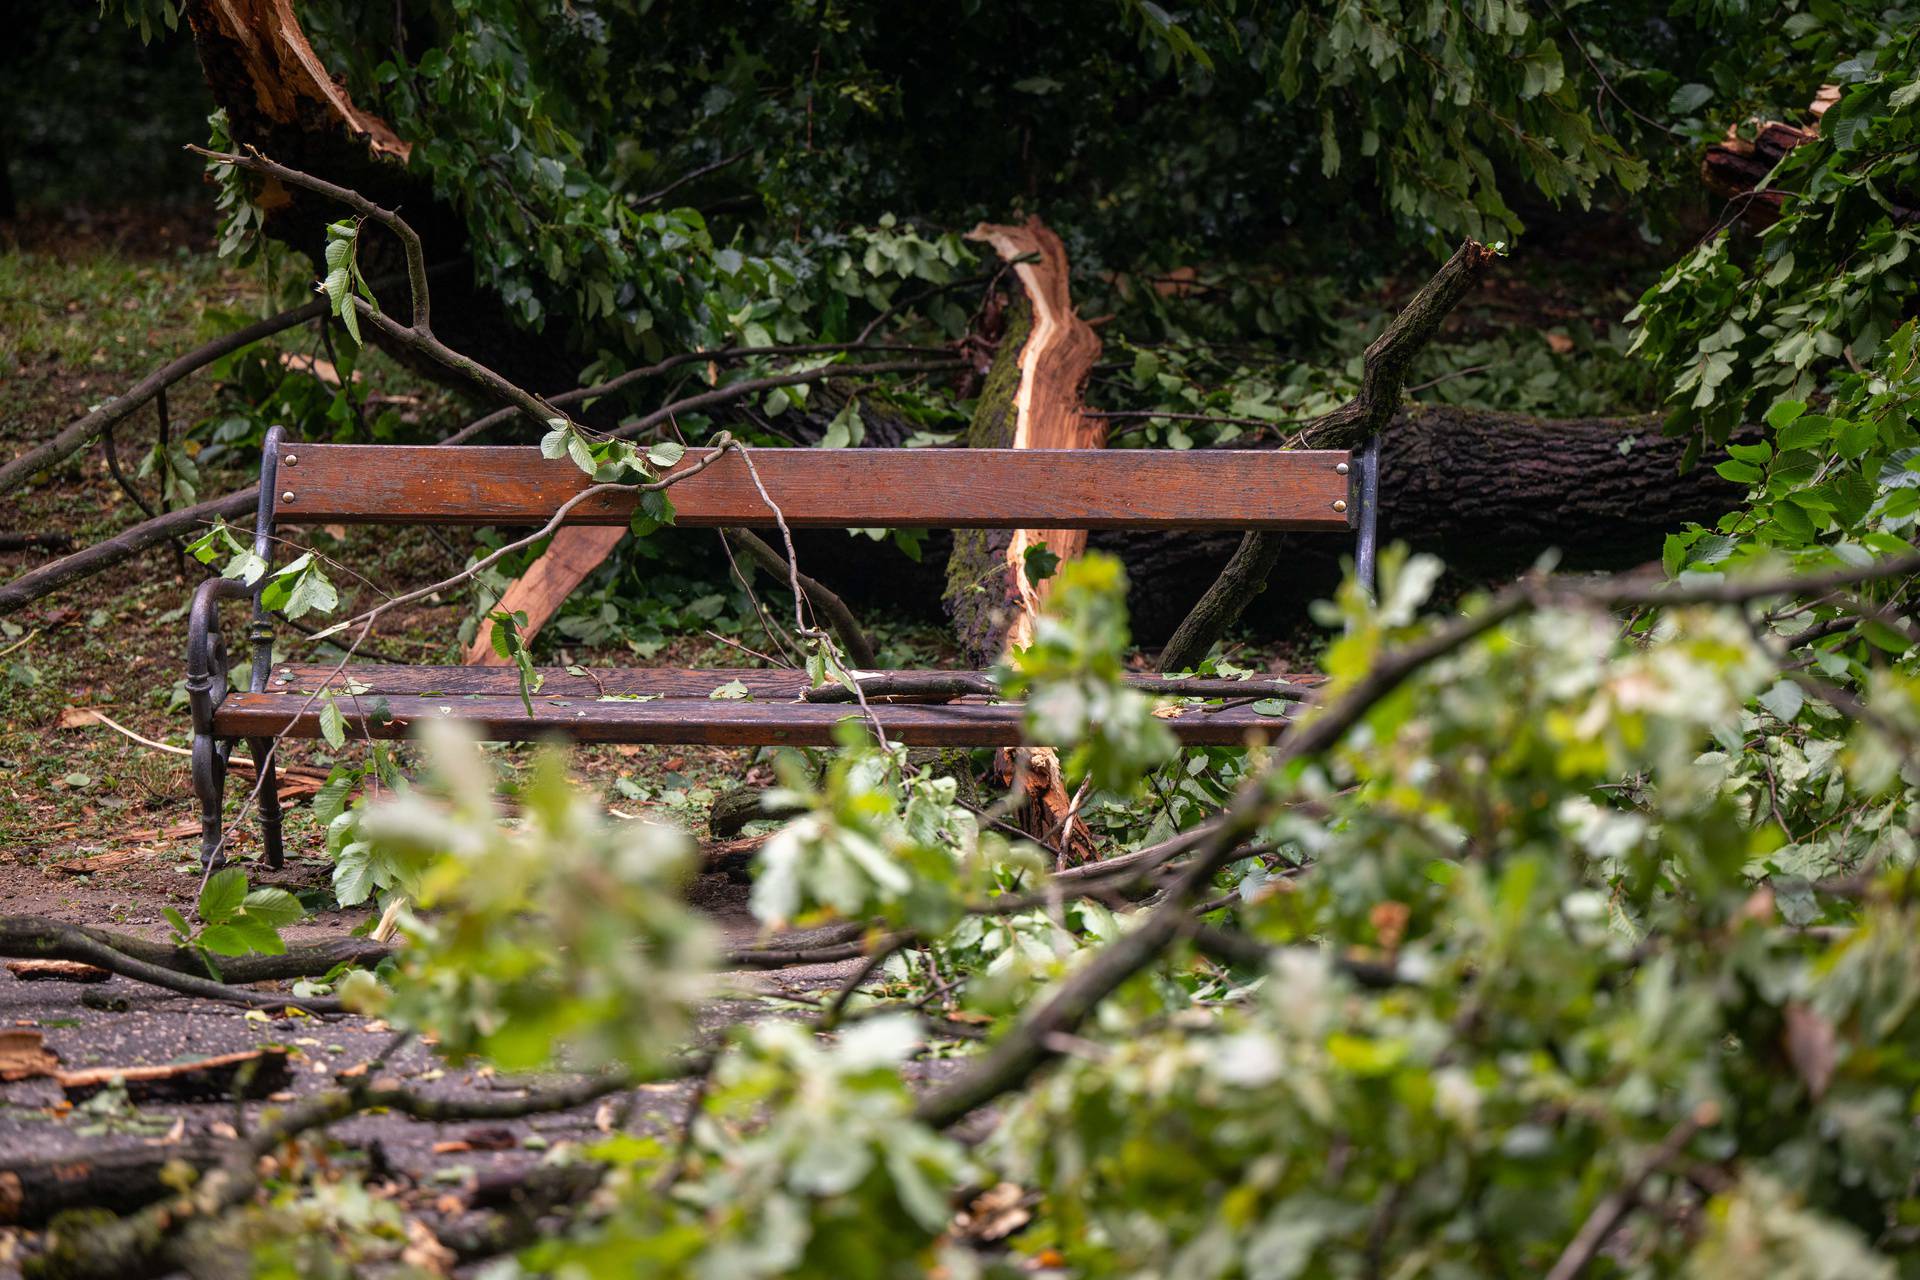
(1383, 374)
(37, 938)
(1033, 1043)
(130, 542)
(84, 430)
(308, 960)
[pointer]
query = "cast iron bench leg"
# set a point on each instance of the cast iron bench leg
(210, 784)
(269, 774)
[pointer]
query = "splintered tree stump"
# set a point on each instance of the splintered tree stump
(1031, 399)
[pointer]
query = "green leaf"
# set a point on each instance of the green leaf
(1738, 472)
(1784, 413)
(178, 922)
(353, 874)
(1041, 563)
(731, 690)
(333, 725)
(1689, 98)
(224, 892)
(257, 936)
(311, 593)
(582, 456)
(272, 907)
(666, 453)
(654, 510)
(1882, 636)
(224, 940)
(1784, 700)
(331, 800)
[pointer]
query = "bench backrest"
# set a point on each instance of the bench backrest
(1310, 490)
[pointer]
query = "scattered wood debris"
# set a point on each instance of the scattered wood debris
(56, 971)
(252, 1074)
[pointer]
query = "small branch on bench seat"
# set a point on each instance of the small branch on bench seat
(959, 684)
(1383, 374)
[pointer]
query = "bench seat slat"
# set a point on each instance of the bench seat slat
(376, 678)
(834, 488)
(742, 722)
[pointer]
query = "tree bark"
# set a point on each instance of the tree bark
(1487, 492)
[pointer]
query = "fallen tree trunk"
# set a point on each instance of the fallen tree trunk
(1487, 492)
(126, 544)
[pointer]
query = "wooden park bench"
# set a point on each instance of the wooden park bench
(307, 484)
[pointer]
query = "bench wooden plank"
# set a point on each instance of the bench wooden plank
(969, 723)
(375, 678)
(834, 488)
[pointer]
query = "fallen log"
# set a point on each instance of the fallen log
(36, 937)
(251, 1074)
(117, 1178)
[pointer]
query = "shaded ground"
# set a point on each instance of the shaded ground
(430, 1170)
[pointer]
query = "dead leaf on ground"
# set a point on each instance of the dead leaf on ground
(75, 718)
(1559, 343)
(425, 1251)
(100, 861)
(24, 1054)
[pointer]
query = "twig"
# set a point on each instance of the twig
(1615, 1206)
(800, 597)
(823, 599)
(692, 176)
